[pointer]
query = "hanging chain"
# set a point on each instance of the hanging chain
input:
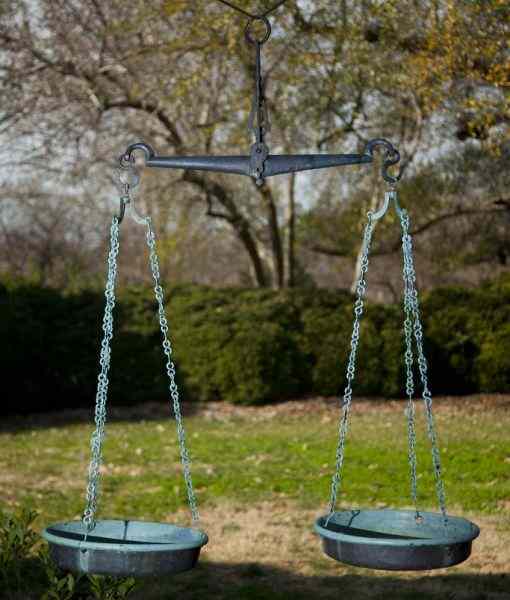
(361, 287)
(258, 120)
(170, 369)
(410, 409)
(412, 295)
(96, 442)
(412, 327)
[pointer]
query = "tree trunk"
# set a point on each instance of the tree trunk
(276, 240)
(291, 233)
(232, 215)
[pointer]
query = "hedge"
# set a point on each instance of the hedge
(243, 346)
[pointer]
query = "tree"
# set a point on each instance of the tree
(453, 75)
(82, 80)
(79, 76)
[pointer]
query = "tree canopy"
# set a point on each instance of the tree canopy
(81, 80)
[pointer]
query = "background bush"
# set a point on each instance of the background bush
(244, 346)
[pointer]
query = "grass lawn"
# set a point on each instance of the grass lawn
(262, 475)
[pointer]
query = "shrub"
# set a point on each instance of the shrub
(245, 346)
(493, 362)
(325, 340)
(452, 340)
(17, 540)
(237, 345)
(25, 573)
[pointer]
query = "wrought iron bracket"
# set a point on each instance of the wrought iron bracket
(273, 164)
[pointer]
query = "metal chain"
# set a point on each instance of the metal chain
(96, 442)
(410, 409)
(412, 326)
(412, 295)
(170, 369)
(361, 287)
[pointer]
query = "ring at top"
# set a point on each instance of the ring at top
(248, 31)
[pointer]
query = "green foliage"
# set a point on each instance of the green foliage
(467, 335)
(452, 346)
(237, 345)
(17, 539)
(493, 362)
(244, 346)
(326, 331)
(111, 588)
(59, 584)
(22, 571)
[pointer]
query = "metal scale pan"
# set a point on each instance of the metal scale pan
(125, 548)
(396, 540)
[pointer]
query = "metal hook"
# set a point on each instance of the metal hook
(392, 158)
(129, 178)
(389, 196)
(122, 210)
(128, 156)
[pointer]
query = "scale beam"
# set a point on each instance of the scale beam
(276, 164)
(273, 164)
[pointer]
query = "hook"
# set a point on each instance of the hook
(392, 158)
(129, 178)
(122, 210)
(128, 156)
(389, 196)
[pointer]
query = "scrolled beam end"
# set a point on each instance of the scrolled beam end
(129, 155)
(392, 157)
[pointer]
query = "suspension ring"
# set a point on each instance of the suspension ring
(248, 31)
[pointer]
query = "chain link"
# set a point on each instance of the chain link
(96, 442)
(413, 303)
(410, 409)
(170, 369)
(361, 287)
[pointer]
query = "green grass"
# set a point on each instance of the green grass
(243, 461)
(285, 460)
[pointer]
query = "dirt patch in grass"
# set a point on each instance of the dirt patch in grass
(269, 550)
(282, 533)
(321, 406)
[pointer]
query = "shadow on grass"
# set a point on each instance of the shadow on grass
(253, 581)
(149, 411)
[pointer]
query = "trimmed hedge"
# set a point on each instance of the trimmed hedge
(243, 346)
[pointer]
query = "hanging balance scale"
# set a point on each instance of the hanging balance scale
(380, 539)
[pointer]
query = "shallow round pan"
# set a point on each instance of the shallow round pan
(124, 548)
(395, 540)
